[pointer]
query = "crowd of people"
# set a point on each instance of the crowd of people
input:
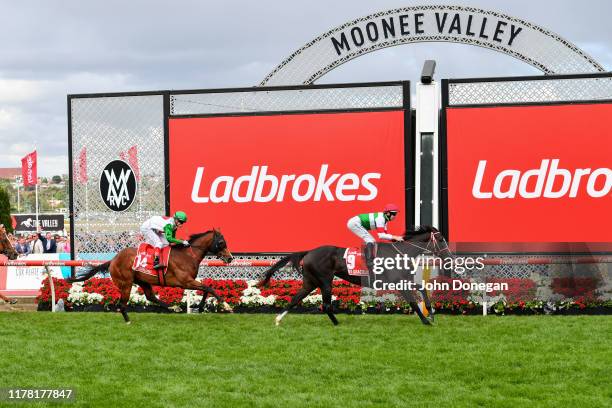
(39, 243)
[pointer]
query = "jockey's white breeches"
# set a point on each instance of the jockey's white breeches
(155, 238)
(354, 224)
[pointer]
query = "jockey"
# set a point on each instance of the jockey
(362, 223)
(160, 232)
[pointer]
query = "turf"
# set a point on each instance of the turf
(367, 361)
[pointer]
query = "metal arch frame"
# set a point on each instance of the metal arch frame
(435, 38)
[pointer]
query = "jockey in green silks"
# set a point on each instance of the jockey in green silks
(361, 224)
(160, 231)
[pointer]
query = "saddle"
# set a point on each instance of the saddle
(145, 256)
(355, 262)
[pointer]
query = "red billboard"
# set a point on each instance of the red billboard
(530, 174)
(283, 183)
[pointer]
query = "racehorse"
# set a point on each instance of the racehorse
(6, 248)
(322, 264)
(182, 270)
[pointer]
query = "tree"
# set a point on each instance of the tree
(5, 210)
(56, 179)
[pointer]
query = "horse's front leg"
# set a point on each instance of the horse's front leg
(207, 290)
(411, 299)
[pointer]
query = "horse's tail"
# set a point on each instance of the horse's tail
(91, 272)
(295, 260)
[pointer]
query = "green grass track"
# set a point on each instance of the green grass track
(216, 360)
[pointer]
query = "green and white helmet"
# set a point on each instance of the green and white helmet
(180, 216)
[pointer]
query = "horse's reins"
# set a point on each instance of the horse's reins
(213, 245)
(436, 251)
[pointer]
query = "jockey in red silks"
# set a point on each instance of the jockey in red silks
(160, 231)
(361, 224)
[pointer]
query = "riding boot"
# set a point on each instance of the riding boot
(369, 256)
(156, 262)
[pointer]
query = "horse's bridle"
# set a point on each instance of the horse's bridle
(217, 245)
(432, 247)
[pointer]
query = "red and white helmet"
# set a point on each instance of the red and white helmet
(391, 207)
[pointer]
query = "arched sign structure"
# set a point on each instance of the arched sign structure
(518, 38)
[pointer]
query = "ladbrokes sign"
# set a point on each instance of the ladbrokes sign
(530, 174)
(287, 187)
(286, 182)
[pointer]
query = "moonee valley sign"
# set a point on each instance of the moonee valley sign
(469, 25)
(518, 38)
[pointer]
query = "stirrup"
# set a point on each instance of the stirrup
(157, 263)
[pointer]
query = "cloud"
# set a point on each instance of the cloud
(87, 47)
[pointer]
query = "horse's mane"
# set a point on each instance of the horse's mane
(421, 229)
(193, 237)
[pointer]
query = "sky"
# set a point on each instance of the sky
(50, 49)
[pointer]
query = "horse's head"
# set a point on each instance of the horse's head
(212, 242)
(6, 248)
(219, 247)
(434, 240)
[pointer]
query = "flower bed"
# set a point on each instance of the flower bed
(99, 293)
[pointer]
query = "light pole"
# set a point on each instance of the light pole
(18, 183)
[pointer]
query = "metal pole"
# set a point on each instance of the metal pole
(188, 301)
(52, 288)
(37, 224)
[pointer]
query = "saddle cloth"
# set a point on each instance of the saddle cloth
(143, 261)
(355, 262)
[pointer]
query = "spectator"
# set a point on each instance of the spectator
(22, 247)
(36, 245)
(49, 244)
(62, 245)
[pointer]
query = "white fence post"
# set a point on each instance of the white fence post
(188, 301)
(52, 287)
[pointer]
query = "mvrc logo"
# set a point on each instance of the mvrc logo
(118, 185)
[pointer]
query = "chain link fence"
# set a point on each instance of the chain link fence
(537, 90)
(110, 128)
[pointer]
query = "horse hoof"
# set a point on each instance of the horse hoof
(426, 322)
(277, 321)
(128, 322)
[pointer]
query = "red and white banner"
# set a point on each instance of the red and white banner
(81, 176)
(28, 169)
(26, 280)
(530, 174)
(131, 157)
(286, 182)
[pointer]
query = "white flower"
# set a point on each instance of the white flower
(314, 300)
(94, 298)
(251, 291)
(195, 298)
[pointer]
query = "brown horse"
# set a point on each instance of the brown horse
(6, 248)
(182, 270)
